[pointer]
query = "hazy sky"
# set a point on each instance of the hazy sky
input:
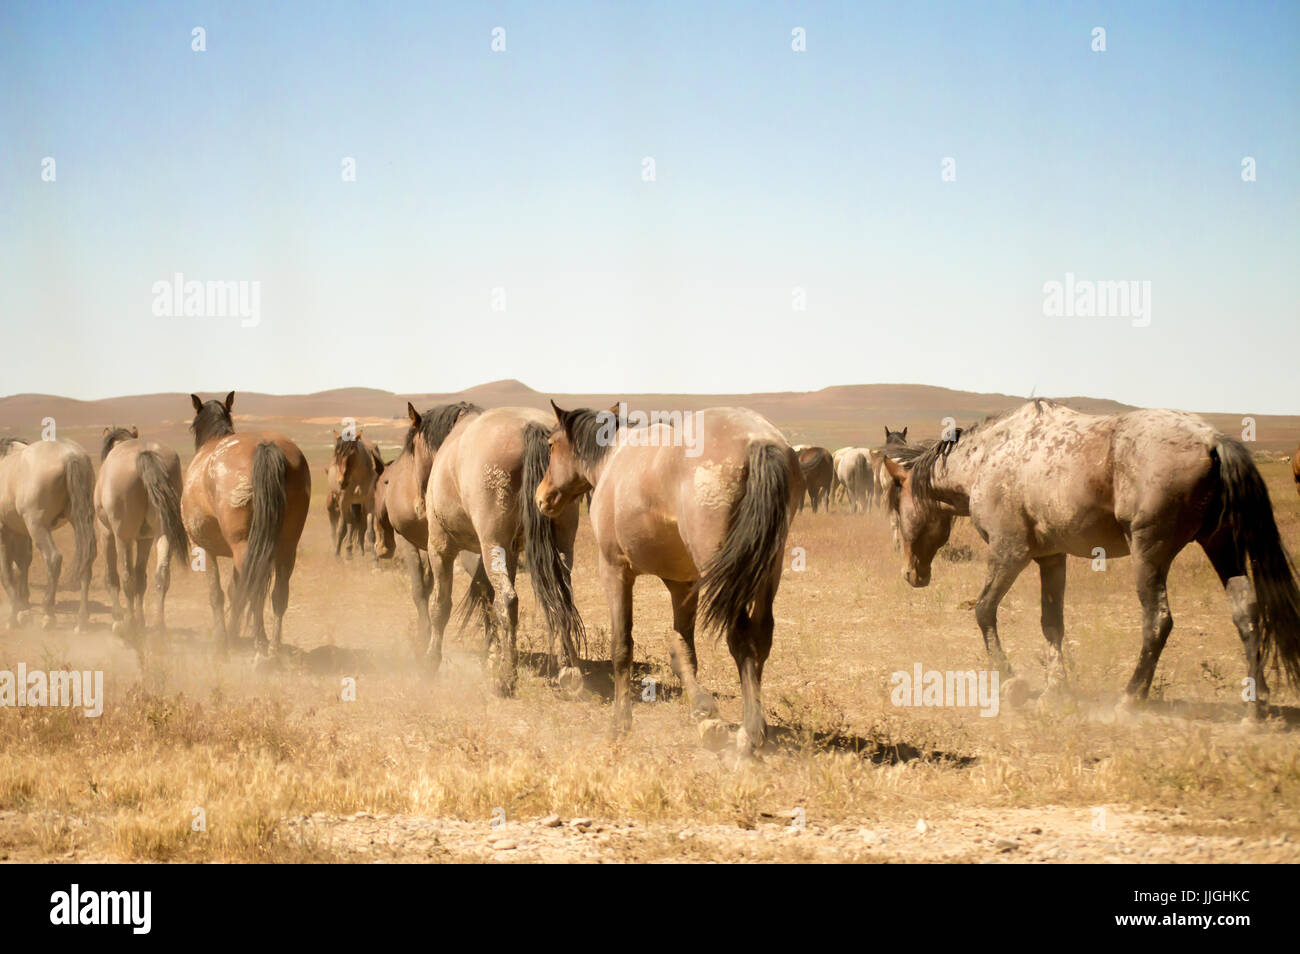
(775, 170)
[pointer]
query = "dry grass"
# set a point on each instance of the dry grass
(255, 752)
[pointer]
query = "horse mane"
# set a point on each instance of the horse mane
(583, 427)
(7, 444)
(436, 423)
(112, 438)
(212, 420)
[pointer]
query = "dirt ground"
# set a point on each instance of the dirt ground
(198, 759)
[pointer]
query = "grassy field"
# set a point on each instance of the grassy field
(280, 768)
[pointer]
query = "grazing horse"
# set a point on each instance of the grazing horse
(853, 473)
(138, 501)
(42, 485)
(354, 467)
(711, 525)
(818, 471)
(481, 497)
(246, 498)
(1043, 481)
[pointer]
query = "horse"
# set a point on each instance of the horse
(245, 497)
(42, 486)
(1295, 469)
(481, 497)
(711, 525)
(818, 471)
(853, 473)
(385, 542)
(138, 502)
(402, 524)
(354, 467)
(1041, 482)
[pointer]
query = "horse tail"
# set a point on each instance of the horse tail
(755, 541)
(269, 502)
(552, 582)
(862, 478)
(1249, 515)
(80, 476)
(164, 499)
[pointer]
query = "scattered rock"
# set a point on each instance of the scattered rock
(551, 821)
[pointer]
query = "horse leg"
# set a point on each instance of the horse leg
(500, 561)
(20, 552)
(441, 562)
(142, 548)
(130, 586)
(1002, 572)
(750, 642)
(681, 648)
(112, 582)
(618, 593)
(417, 570)
(1051, 572)
(162, 579)
(8, 575)
(1152, 571)
(217, 601)
(44, 541)
(1231, 567)
(280, 600)
(339, 527)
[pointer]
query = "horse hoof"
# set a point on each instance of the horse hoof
(265, 663)
(1015, 692)
(705, 707)
(570, 680)
(716, 735)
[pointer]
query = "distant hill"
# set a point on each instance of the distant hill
(833, 416)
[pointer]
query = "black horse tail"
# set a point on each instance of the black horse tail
(476, 604)
(551, 578)
(164, 499)
(80, 476)
(1249, 514)
(269, 502)
(755, 542)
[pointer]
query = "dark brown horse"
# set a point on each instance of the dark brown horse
(354, 467)
(246, 498)
(1043, 482)
(818, 469)
(138, 502)
(712, 525)
(1295, 469)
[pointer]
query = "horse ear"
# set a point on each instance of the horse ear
(904, 433)
(886, 432)
(335, 433)
(230, 401)
(135, 431)
(198, 402)
(106, 430)
(613, 408)
(413, 414)
(896, 470)
(559, 414)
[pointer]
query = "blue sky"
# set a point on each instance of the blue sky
(775, 170)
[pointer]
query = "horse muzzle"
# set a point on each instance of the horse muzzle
(916, 578)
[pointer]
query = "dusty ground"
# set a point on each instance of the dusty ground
(282, 769)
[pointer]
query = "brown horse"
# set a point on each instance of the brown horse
(42, 486)
(246, 498)
(711, 525)
(138, 501)
(481, 498)
(818, 470)
(1295, 469)
(1043, 482)
(354, 467)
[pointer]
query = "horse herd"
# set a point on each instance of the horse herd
(710, 518)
